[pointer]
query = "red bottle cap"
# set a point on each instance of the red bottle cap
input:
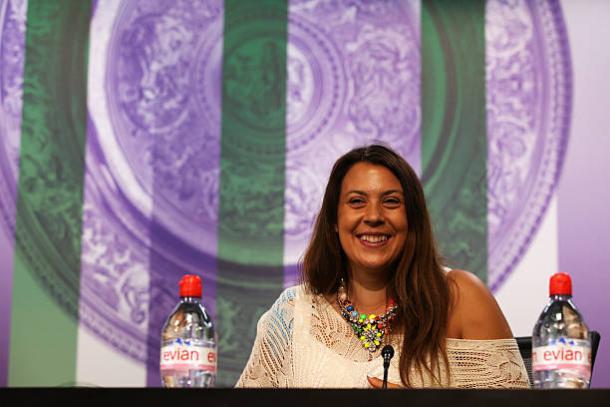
(190, 286)
(560, 284)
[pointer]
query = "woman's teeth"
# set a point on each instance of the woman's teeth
(374, 238)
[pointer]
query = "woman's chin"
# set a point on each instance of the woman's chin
(373, 267)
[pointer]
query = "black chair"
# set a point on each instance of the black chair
(525, 348)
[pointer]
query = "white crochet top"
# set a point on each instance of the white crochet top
(302, 341)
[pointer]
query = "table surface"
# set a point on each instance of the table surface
(302, 397)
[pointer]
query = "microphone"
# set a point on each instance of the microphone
(387, 352)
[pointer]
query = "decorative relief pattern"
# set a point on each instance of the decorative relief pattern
(353, 76)
(12, 55)
(529, 98)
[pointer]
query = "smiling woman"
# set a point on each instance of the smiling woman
(372, 222)
(372, 276)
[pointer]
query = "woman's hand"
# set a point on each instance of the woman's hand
(378, 384)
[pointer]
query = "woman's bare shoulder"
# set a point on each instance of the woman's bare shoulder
(467, 282)
(475, 313)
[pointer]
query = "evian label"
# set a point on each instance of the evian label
(563, 354)
(184, 355)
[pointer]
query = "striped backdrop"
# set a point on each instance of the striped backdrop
(141, 140)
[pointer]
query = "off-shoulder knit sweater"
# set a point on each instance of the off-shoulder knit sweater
(302, 341)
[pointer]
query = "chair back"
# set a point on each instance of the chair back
(525, 348)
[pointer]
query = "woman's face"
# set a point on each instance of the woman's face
(371, 218)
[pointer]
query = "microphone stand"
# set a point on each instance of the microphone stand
(387, 352)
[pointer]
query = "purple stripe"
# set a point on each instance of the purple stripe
(6, 285)
(150, 214)
(184, 220)
(114, 258)
(12, 55)
(345, 88)
(584, 191)
(584, 232)
(526, 146)
(8, 188)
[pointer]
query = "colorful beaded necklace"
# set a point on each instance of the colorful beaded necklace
(370, 329)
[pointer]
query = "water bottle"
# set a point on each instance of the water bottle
(561, 347)
(188, 341)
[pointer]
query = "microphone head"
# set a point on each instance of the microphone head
(387, 352)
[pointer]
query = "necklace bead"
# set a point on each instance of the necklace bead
(370, 329)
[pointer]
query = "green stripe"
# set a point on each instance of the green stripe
(454, 135)
(251, 208)
(44, 319)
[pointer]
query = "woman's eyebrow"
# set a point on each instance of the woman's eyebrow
(384, 193)
(392, 191)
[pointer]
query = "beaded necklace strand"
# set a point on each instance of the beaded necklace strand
(370, 329)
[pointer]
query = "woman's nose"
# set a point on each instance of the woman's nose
(373, 215)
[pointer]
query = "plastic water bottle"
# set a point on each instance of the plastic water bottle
(188, 350)
(561, 347)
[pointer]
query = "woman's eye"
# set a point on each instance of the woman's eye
(392, 201)
(356, 201)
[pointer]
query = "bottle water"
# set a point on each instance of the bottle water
(561, 348)
(188, 349)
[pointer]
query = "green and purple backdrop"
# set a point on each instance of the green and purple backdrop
(141, 140)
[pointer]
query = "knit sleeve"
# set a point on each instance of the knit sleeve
(270, 363)
(484, 364)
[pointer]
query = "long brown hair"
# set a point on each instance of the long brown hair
(419, 282)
